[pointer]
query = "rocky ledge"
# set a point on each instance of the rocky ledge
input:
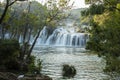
(12, 76)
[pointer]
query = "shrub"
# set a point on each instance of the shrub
(9, 52)
(112, 64)
(35, 69)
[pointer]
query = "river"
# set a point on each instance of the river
(89, 66)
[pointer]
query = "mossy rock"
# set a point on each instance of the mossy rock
(68, 71)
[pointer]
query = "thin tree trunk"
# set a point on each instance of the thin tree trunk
(29, 35)
(4, 13)
(30, 51)
(24, 47)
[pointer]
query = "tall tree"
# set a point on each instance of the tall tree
(7, 5)
(105, 33)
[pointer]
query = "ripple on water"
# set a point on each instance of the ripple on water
(89, 66)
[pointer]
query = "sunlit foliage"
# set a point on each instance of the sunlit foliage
(105, 34)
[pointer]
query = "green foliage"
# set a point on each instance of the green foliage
(96, 9)
(31, 64)
(9, 49)
(9, 52)
(95, 39)
(105, 34)
(111, 33)
(35, 69)
(91, 1)
(105, 37)
(111, 5)
(112, 64)
(9, 58)
(56, 11)
(32, 17)
(85, 12)
(39, 65)
(24, 20)
(93, 9)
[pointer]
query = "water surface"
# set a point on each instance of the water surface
(89, 66)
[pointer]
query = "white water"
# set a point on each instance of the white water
(62, 37)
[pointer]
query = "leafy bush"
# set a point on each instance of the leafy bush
(35, 69)
(9, 52)
(9, 58)
(112, 64)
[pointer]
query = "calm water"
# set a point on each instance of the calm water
(89, 66)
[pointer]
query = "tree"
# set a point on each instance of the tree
(105, 33)
(7, 5)
(57, 10)
(111, 4)
(92, 1)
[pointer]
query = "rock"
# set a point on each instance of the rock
(12, 76)
(8, 76)
(20, 76)
(68, 71)
(35, 77)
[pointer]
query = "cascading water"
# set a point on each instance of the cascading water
(43, 37)
(62, 37)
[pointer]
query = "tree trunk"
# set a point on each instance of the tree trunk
(5, 11)
(30, 51)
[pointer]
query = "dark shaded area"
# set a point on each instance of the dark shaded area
(68, 71)
(9, 53)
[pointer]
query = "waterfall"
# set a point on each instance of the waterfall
(62, 37)
(43, 36)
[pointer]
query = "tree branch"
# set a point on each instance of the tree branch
(12, 3)
(112, 6)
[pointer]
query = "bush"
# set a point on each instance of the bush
(9, 52)
(112, 64)
(9, 58)
(35, 69)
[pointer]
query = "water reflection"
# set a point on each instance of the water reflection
(89, 66)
